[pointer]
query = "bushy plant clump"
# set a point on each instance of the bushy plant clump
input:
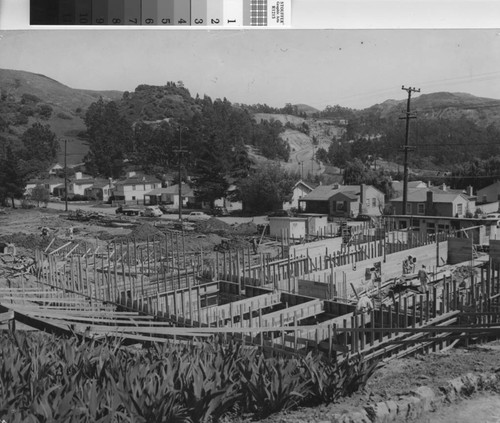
(48, 379)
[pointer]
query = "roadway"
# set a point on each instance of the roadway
(107, 209)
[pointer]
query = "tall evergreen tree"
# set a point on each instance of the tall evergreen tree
(12, 177)
(110, 139)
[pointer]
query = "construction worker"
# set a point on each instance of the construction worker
(254, 245)
(423, 277)
(365, 304)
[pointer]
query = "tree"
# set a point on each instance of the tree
(110, 139)
(40, 194)
(12, 177)
(266, 189)
(210, 182)
(39, 144)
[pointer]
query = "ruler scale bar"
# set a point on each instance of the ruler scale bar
(184, 13)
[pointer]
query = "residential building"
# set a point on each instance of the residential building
(489, 194)
(170, 195)
(435, 201)
(343, 201)
(78, 184)
(50, 184)
(101, 190)
(56, 169)
(397, 187)
(226, 201)
(134, 187)
(300, 190)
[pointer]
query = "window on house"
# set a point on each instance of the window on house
(408, 208)
(459, 209)
(374, 202)
(421, 208)
(340, 206)
(133, 197)
(133, 187)
(367, 202)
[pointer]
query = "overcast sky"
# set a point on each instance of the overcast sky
(353, 68)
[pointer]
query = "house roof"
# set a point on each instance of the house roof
(83, 181)
(100, 183)
(139, 180)
(307, 185)
(186, 190)
(325, 192)
(439, 196)
(50, 181)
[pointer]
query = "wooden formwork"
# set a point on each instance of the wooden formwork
(151, 291)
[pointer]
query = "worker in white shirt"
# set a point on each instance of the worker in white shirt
(364, 305)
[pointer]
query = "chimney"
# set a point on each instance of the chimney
(130, 174)
(470, 191)
(78, 175)
(361, 198)
(429, 184)
(444, 187)
(335, 186)
(429, 202)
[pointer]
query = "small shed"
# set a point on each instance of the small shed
(288, 227)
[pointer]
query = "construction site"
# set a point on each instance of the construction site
(144, 282)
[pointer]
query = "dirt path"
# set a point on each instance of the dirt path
(483, 409)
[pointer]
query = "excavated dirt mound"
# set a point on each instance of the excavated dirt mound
(144, 231)
(26, 241)
(248, 228)
(214, 225)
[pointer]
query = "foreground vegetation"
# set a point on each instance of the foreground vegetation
(49, 379)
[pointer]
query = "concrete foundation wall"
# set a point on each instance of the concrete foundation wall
(356, 273)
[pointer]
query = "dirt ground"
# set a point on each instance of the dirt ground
(23, 228)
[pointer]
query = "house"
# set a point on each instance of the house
(343, 201)
(101, 190)
(56, 169)
(134, 187)
(489, 194)
(397, 186)
(79, 184)
(300, 190)
(435, 201)
(51, 184)
(227, 203)
(170, 195)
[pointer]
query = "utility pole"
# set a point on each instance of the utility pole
(65, 176)
(407, 147)
(179, 152)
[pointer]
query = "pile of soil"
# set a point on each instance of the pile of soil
(248, 228)
(139, 233)
(26, 241)
(214, 225)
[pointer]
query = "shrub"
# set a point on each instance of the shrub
(62, 115)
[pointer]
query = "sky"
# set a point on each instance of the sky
(352, 68)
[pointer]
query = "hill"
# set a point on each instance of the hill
(28, 97)
(443, 105)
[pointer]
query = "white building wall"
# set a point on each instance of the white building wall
(287, 226)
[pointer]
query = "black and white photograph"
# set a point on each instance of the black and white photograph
(240, 225)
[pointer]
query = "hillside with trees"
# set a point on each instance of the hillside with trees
(454, 133)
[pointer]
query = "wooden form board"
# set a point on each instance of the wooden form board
(459, 250)
(355, 272)
(495, 250)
